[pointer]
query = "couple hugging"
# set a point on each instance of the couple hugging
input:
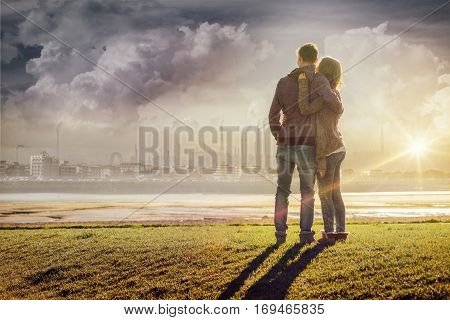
(304, 118)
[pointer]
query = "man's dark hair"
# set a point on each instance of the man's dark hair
(308, 52)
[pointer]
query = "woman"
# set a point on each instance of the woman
(330, 149)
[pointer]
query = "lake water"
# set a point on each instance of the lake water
(67, 207)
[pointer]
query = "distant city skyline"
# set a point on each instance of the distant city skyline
(55, 166)
(377, 155)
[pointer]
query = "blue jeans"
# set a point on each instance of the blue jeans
(288, 157)
(330, 194)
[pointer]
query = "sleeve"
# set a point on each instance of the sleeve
(274, 114)
(306, 107)
(321, 164)
(323, 89)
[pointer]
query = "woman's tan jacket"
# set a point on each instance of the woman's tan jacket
(328, 138)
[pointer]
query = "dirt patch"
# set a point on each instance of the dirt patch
(9, 213)
(48, 274)
(85, 235)
(55, 217)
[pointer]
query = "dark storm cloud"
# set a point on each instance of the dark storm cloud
(99, 18)
(86, 23)
(14, 76)
(151, 47)
(89, 24)
(83, 24)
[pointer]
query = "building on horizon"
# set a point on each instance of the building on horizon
(82, 170)
(95, 171)
(67, 170)
(44, 165)
(129, 169)
(3, 167)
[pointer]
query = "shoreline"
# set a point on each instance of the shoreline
(267, 222)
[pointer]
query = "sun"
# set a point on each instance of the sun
(418, 147)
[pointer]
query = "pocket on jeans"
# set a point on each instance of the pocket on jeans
(281, 153)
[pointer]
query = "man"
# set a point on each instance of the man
(295, 141)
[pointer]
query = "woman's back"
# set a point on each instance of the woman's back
(328, 136)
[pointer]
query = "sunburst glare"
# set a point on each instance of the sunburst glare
(418, 147)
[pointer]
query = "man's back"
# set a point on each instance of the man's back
(294, 129)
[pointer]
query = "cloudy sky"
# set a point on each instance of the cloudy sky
(211, 61)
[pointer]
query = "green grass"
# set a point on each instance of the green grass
(380, 260)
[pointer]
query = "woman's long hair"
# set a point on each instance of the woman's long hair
(332, 70)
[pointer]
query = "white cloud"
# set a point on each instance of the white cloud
(444, 79)
(398, 85)
(437, 106)
(192, 69)
(152, 62)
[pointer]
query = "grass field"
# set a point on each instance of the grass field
(239, 261)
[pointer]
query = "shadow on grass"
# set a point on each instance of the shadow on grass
(276, 283)
(237, 283)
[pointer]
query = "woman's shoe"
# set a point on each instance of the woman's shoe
(327, 238)
(341, 236)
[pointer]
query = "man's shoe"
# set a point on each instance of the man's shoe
(281, 237)
(306, 238)
(341, 236)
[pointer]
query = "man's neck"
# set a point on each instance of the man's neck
(302, 65)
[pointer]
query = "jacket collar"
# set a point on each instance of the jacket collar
(309, 70)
